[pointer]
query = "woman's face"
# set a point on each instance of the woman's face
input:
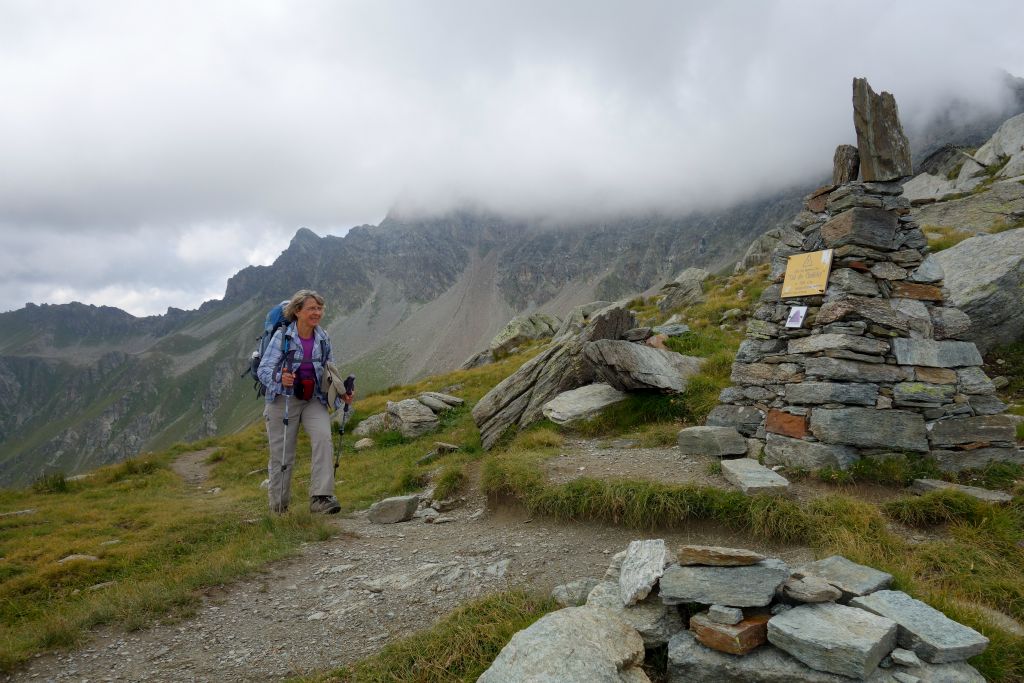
(310, 313)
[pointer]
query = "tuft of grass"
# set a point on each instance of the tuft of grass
(452, 480)
(930, 509)
(942, 237)
(460, 647)
(896, 470)
(55, 482)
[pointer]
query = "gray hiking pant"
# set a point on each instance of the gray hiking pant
(312, 415)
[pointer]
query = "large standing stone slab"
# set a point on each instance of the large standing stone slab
(393, 510)
(881, 142)
(851, 578)
(834, 638)
(865, 227)
(870, 428)
(750, 586)
(411, 418)
(809, 455)
(959, 431)
(985, 495)
(655, 621)
(736, 639)
(932, 635)
(691, 662)
(552, 650)
(813, 393)
(935, 354)
(753, 478)
(715, 441)
(628, 366)
(582, 404)
(716, 556)
(643, 565)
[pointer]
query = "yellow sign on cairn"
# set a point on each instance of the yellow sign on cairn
(807, 274)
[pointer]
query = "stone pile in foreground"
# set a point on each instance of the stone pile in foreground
(729, 614)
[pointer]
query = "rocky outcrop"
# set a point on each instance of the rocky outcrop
(522, 329)
(985, 279)
(686, 290)
(411, 418)
(881, 142)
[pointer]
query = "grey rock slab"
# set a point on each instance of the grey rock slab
(886, 270)
(615, 567)
(655, 621)
(935, 354)
(749, 586)
(572, 645)
(929, 272)
(582, 404)
(393, 510)
(845, 164)
(411, 418)
(810, 589)
(985, 279)
(691, 662)
(671, 330)
(927, 485)
(721, 614)
(922, 394)
(834, 638)
(848, 281)
(851, 578)
(986, 405)
(437, 406)
(714, 441)
(977, 458)
(745, 419)
(842, 370)
(753, 478)
(578, 317)
(627, 366)
(973, 380)
(1005, 142)
(951, 323)
(904, 657)
(848, 342)
(882, 144)
(870, 428)
(765, 373)
(522, 329)
(958, 431)
(716, 556)
(643, 565)
(862, 226)
(686, 290)
(453, 401)
(574, 593)
(814, 393)
(809, 455)
(932, 635)
(871, 309)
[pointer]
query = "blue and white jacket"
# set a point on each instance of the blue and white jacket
(271, 365)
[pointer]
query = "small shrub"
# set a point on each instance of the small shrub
(55, 482)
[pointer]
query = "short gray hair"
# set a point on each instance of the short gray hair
(298, 300)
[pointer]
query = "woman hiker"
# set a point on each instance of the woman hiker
(291, 369)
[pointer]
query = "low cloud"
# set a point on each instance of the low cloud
(151, 149)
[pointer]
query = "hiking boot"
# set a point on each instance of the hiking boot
(324, 505)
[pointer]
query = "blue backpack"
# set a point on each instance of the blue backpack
(275, 319)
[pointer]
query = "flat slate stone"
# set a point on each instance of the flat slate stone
(765, 373)
(810, 589)
(968, 430)
(922, 394)
(582, 404)
(927, 485)
(957, 461)
(935, 354)
(834, 638)
(752, 477)
(715, 441)
(736, 639)
(851, 578)
(932, 635)
(852, 371)
(810, 455)
(872, 309)
(813, 393)
(849, 342)
(849, 281)
(750, 586)
(725, 615)
(745, 419)
(870, 428)
(716, 556)
(643, 565)
(868, 227)
(691, 662)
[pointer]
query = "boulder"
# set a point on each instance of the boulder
(686, 290)
(552, 650)
(752, 477)
(714, 441)
(577, 319)
(881, 142)
(522, 329)
(411, 418)
(1005, 142)
(582, 404)
(655, 621)
(845, 164)
(807, 455)
(716, 556)
(643, 565)
(929, 633)
(750, 586)
(519, 399)
(851, 578)
(393, 510)
(870, 428)
(984, 495)
(629, 367)
(834, 638)
(985, 279)
(374, 424)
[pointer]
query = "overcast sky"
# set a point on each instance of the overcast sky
(149, 150)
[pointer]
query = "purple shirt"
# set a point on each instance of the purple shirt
(306, 370)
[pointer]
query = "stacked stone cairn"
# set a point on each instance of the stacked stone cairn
(879, 368)
(728, 614)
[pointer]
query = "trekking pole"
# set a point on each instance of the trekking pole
(350, 386)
